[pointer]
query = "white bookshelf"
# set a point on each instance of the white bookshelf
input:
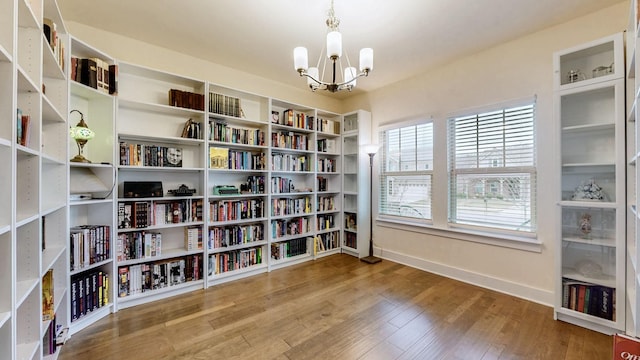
(592, 201)
(356, 209)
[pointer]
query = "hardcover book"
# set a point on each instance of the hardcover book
(218, 158)
(625, 347)
(173, 157)
(48, 311)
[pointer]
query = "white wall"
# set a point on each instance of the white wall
(513, 70)
(155, 57)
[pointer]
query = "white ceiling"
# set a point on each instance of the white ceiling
(258, 36)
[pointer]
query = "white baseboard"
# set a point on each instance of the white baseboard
(536, 295)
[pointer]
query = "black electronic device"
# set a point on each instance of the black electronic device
(142, 189)
(182, 190)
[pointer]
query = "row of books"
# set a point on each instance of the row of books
(327, 241)
(23, 127)
(221, 131)
(326, 203)
(328, 126)
(50, 30)
(290, 140)
(253, 185)
(351, 240)
(136, 279)
(95, 73)
(149, 155)
(285, 227)
(89, 244)
(327, 146)
(220, 237)
(234, 260)
(290, 162)
(327, 165)
(323, 183)
(224, 105)
(138, 245)
(287, 249)
(191, 130)
(230, 210)
(325, 221)
(193, 238)
(589, 298)
(281, 185)
(291, 206)
(223, 158)
(186, 99)
(89, 292)
(295, 119)
(142, 214)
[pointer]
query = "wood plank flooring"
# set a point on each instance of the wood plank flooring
(338, 308)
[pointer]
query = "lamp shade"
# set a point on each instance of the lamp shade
(334, 44)
(370, 148)
(366, 59)
(350, 76)
(81, 133)
(300, 58)
(313, 72)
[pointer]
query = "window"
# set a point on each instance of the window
(492, 169)
(406, 171)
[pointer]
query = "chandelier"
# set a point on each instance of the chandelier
(333, 49)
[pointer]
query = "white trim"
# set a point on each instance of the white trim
(540, 296)
(517, 242)
(493, 107)
(396, 124)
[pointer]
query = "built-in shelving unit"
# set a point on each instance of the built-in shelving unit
(91, 193)
(159, 242)
(632, 301)
(33, 147)
(590, 98)
(356, 132)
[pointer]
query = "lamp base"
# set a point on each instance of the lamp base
(81, 159)
(371, 259)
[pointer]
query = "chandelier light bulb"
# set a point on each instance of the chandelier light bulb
(366, 59)
(300, 58)
(334, 44)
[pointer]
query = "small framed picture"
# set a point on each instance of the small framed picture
(275, 117)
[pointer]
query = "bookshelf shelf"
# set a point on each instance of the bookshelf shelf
(233, 274)
(27, 350)
(88, 268)
(166, 254)
(24, 288)
(4, 318)
(142, 298)
(90, 318)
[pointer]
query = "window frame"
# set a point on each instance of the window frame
(532, 169)
(383, 175)
(439, 225)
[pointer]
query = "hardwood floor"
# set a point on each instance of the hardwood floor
(338, 308)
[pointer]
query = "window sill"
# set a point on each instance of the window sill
(531, 244)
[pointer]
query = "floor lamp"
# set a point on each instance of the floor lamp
(371, 151)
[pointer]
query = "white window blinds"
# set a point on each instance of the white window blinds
(406, 171)
(492, 169)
